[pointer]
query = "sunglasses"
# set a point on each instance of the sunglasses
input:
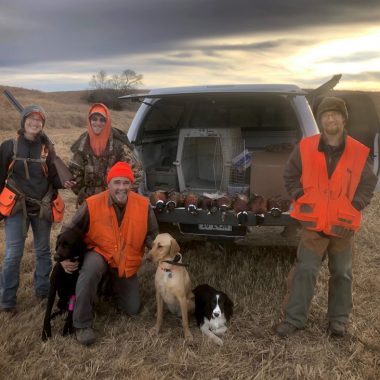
(102, 119)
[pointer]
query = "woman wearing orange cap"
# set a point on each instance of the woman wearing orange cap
(96, 151)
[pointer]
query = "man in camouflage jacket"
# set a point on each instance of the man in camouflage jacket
(96, 151)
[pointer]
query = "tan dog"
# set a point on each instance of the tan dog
(172, 281)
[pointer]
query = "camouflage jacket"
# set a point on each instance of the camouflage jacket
(90, 172)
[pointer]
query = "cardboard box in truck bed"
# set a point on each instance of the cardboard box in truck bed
(266, 174)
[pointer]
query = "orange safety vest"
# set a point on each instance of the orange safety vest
(326, 203)
(122, 247)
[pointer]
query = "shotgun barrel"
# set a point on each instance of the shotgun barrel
(63, 172)
(16, 104)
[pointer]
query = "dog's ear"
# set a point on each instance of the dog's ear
(57, 242)
(229, 307)
(174, 247)
(59, 237)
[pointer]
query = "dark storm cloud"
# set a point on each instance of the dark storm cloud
(181, 55)
(45, 30)
(194, 62)
(259, 46)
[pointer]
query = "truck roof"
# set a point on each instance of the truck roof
(220, 89)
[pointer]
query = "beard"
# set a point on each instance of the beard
(333, 130)
(120, 197)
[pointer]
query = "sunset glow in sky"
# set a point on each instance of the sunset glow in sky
(54, 46)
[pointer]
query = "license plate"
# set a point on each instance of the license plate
(215, 227)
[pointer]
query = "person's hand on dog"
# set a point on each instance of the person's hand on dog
(70, 266)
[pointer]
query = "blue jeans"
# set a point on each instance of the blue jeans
(14, 249)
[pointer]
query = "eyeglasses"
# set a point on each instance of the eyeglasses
(98, 118)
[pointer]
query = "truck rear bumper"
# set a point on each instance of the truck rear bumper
(220, 224)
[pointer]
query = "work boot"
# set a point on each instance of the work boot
(85, 336)
(336, 329)
(285, 329)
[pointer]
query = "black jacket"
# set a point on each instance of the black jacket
(37, 185)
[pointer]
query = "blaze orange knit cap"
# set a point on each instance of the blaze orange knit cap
(120, 169)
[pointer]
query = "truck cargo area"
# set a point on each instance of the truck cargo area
(199, 138)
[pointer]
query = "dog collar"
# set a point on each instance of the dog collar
(168, 272)
(176, 261)
(165, 269)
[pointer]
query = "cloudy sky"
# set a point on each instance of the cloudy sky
(58, 45)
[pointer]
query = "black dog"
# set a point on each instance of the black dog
(70, 245)
(213, 309)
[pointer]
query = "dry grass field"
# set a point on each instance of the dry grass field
(254, 277)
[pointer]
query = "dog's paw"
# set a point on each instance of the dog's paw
(220, 332)
(215, 339)
(46, 334)
(188, 336)
(218, 341)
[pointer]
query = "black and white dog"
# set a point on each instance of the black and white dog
(213, 309)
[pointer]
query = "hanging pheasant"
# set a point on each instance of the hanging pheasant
(158, 200)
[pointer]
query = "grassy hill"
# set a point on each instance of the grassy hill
(66, 109)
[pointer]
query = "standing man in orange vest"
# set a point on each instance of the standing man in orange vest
(330, 180)
(116, 224)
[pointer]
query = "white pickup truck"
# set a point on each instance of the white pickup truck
(213, 141)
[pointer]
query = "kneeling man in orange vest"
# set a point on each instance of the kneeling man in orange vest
(116, 224)
(330, 179)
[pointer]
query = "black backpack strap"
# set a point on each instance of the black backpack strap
(42, 160)
(12, 163)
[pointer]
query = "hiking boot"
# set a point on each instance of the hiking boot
(85, 336)
(337, 329)
(285, 329)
